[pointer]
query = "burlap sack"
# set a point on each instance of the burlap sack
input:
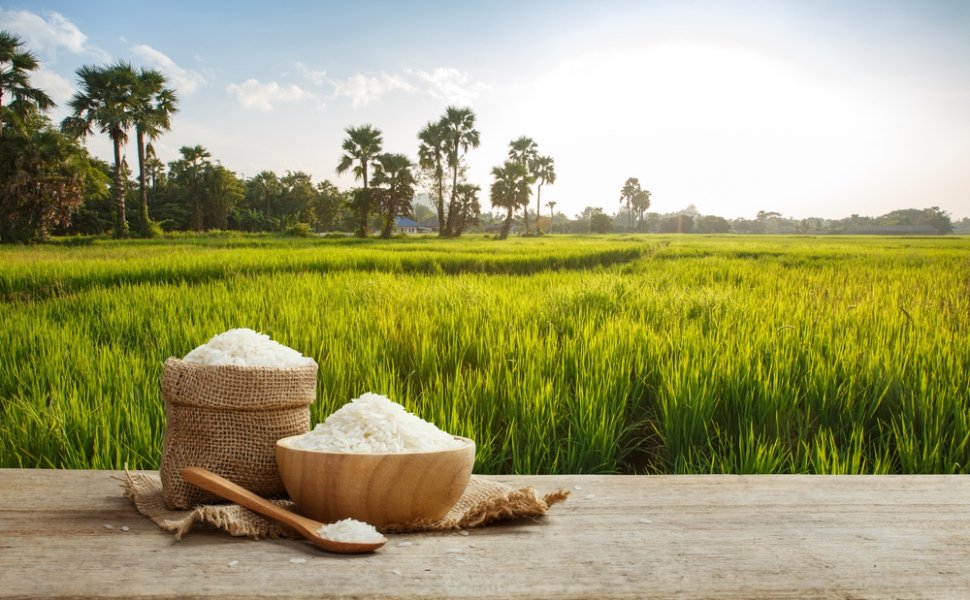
(227, 419)
(484, 502)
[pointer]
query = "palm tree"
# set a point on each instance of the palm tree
(524, 151)
(544, 169)
(264, 191)
(154, 170)
(510, 190)
(106, 100)
(221, 191)
(552, 214)
(154, 106)
(45, 176)
(362, 146)
(15, 68)
(394, 172)
(432, 153)
(460, 133)
(641, 202)
(469, 207)
(189, 171)
(628, 194)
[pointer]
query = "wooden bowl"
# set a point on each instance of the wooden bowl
(381, 489)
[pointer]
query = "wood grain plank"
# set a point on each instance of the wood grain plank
(616, 537)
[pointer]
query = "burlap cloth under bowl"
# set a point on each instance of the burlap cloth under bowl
(483, 502)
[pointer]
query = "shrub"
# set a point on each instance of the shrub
(299, 230)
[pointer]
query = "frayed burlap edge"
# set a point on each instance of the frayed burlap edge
(483, 503)
(145, 490)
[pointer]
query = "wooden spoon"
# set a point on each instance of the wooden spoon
(308, 528)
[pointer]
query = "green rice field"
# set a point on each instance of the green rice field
(636, 354)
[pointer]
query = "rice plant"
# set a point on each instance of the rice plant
(646, 354)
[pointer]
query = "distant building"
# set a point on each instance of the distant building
(431, 224)
(407, 226)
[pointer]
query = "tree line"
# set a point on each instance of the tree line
(45, 174)
(441, 169)
(909, 221)
(49, 184)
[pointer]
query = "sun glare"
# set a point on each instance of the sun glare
(715, 123)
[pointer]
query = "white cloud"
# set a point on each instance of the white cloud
(50, 34)
(363, 90)
(184, 80)
(446, 83)
(443, 83)
(261, 96)
(313, 76)
(59, 89)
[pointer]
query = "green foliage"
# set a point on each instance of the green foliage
(189, 174)
(444, 143)
(637, 201)
(600, 223)
(524, 151)
(676, 224)
(152, 111)
(44, 176)
(712, 224)
(107, 100)
(221, 191)
(468, 208)
(907, 221)
(361, 148)
(510, 190)
(394, 198)
(330, 204)
(153, 230)
(937, 220)
(559, 354)
(200, 194)
(16, 65)
(299, 230)
(297, 198)
(432, 154)
(458, 129)
(261, 202)
(544, 168)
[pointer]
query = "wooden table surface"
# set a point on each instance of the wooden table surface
(72, 534)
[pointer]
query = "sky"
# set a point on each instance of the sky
(811, 109)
